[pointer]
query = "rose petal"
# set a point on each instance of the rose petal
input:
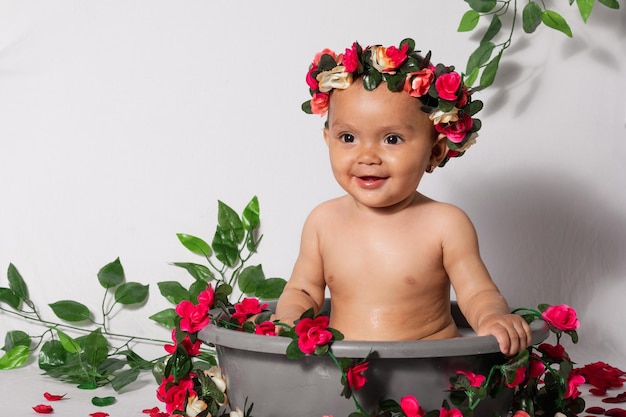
(53, 397)
(614, 400)
(615, 412)
(150, 410)
(595, 410)
(99, 414)
(599, 392)
(43, 409)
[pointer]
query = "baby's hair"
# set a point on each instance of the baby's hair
(441, 90)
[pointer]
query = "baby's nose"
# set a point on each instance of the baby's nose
(369, 155)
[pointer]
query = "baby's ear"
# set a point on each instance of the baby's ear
(326, 135)
(439, 150)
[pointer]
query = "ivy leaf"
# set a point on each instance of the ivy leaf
(480, 56)
(103, 401)
(585, 7)
(8, 296)
(226, 249)
(482, 6)
(96, 348)
(555, 21)
(250, 278)
(124, 378)
(194, 244)
(230, 223)
(131, 293)
(111, 275)
(469, 21)
(270, 289)
(531, 17)
(16, 338)
(471, 77)
(492, 30)
(70, 310)
(165, 317)
(197, 271)
(68, 343)
(17, 283)
(251, 215)
(51, 355)
(15, 357)
(489, 73)
(173, 291)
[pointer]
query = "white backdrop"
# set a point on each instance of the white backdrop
(123, 122)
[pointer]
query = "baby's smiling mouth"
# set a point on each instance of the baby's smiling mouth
(370, 181)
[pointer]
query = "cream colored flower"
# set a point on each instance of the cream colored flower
(335, 78)
(195, 406)
(236, 413)
(439, 116)
(215, 374)
(471, 141)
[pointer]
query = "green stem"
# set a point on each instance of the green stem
(356, 402)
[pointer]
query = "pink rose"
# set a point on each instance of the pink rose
(351, 58)
(536, 368)
(207, 296)
(175, 395)
(387, 60)
(418, 83)
(354, 375)
(561, 317)
(411, 407)
(310, 79)
(521, 413)
(312, 333)
(454, 412)
(319, 103)
(573, 382)
(447, 85)
(456, 131)
(266, 328)
(193, 317)
(520, 376)
(475, 380)
(193, 349)
(247, 308)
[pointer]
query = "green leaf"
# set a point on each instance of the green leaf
(196, 288)
(15, 357)
(251, 215)
(70, 310)
(68, 343)
(612, 4)
(531, 17)
(173, 291)
(8, 296)
(165, 317)
(111, 365)
(270, 289)
(194, 244)
(480, 56)
(96, 348)
(17, 283)
(555, 21)
(16, 338)
(112, 274)
(493, 29)
(51, 355)
(124, 378)
(293, 351)
(469, 21)
(471, 78)
(250, 278)
(103, 401)
(197, 271)
(489, 73)
(585, 7)
(131, 293)
(482, 6)
(226, 249)
(230, 223)
(136, 361)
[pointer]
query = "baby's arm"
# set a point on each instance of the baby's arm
(306, 287)
(480, 300)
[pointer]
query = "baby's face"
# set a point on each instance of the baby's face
(380, 144)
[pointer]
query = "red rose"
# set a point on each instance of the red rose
(447, 86)
(573, 382)
(193, 349)
(351, 58)
(418, 83)
(175, 395)
(266, 328)
(456, 131)
(193, 317)
(312, 333)
(453, 412)
(520, 376)
(207, 297)
(247, 308)
(411, 407)
(310, 79)
(536, 368)
(556, 352)
(354, 375)
(475, 380)
(319, 103)
(561, 317)
(521, 413)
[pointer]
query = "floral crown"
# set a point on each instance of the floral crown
(444, 96)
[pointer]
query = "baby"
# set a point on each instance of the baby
(387, 253)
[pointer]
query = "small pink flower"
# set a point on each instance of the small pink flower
(193, 349)
(247, 308)
(175, 395)
(193, 317)
(573, 382)
(319, 103)
(521, 413)
(411, 407)
(310, 79)
(447, 86)
(453, 412)
(520, 376)
(354, 375)
(266, 328)
(562, 317)
(351, 58)
(387, 60)
(207, 297)
(418, 83)
(313, 333)
(475, 380)
(456, 131)
(536, 368)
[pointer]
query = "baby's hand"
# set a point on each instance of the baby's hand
(511, 331)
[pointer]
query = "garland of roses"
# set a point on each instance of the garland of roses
(543, 377)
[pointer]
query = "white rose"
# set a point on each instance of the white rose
(439, 116)
(195, 406)
(335, 78)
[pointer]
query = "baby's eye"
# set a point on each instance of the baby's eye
(393, 139)
(346, 137)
